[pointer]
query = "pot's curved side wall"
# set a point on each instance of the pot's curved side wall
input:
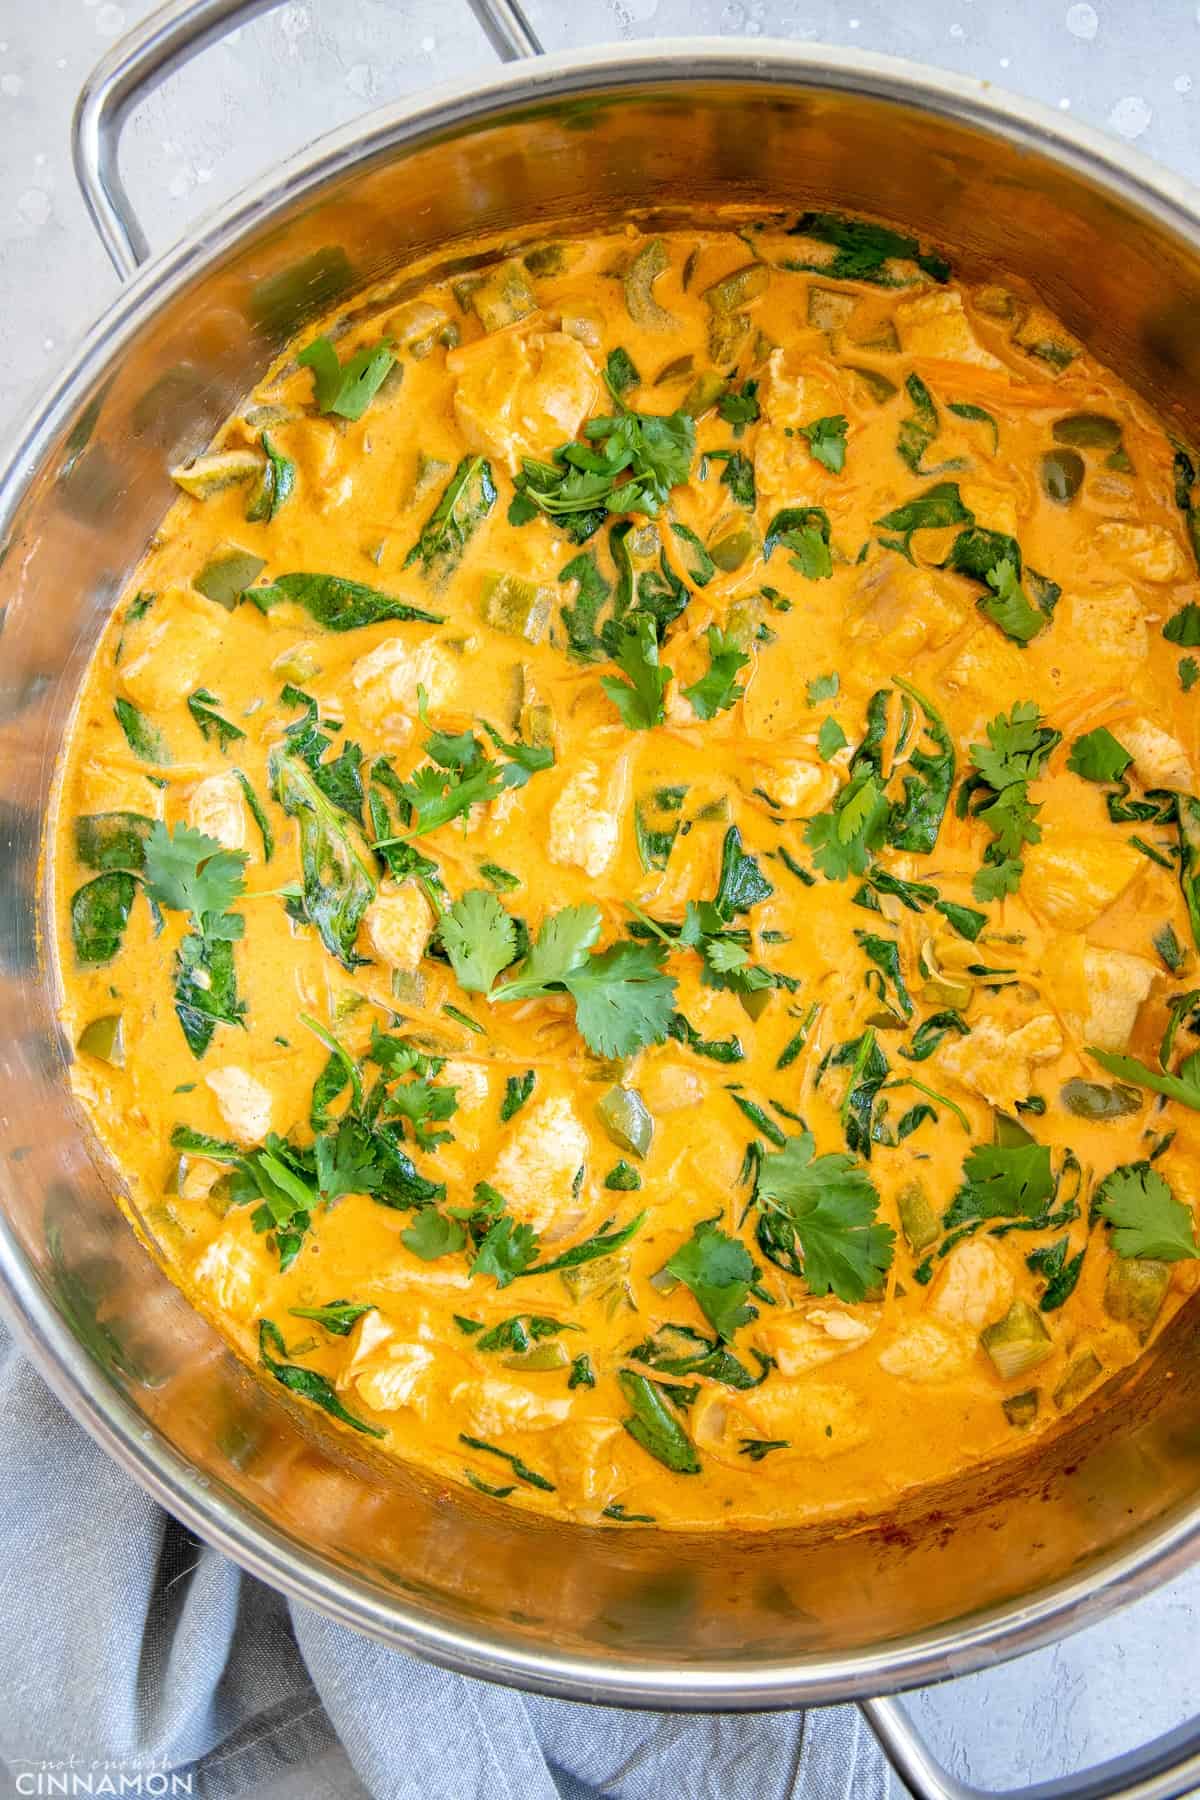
(620, 1614)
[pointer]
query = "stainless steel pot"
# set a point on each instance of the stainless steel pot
(992, 1565)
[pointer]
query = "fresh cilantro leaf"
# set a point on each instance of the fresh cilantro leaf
(827, 441)
(1017, 747)
(432, 1234)
(1148, 1220)
(720, 1271)
(831, 738)
(640, 699)
(188, 871)
(480, 939)
(1183, 627)
(737, 476)
(346, 1161)
(998, 794)
(348, 388)
(1189, 673)
(507, 1250)
(421, 1104)
(202, 705)
(843, 839)
(1059, 1272)
(822, 687)
(1009, 607)
(623, 1000)
(561, 947)
(623, 464)
(718, 688)
(829, 1205)
(1097, 756)
(1184, 1087)
(739, 407)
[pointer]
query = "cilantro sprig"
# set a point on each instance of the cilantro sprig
(997, 794)
(818, 1219)
(1147, 1219)
(625, 463)
(720, 1272)
(718, 688)
(623, 999)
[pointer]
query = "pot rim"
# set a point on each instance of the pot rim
(1001, 1631)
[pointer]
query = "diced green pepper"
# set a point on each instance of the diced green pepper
(919, 1220)
(1087, 431)
(104, 1038)
(227, 575)
(205, 476)
(502, 297)
(514, 604)
(1082, 1372)
(744, 619)
(595, 1277)
(627, 1119)
(649, 263)
(1093, 1100)
(1062, 473)
(1021, 1409)
(704, 393)
(727, 336)
(732, 544)
(1135, 1290)
(738, 288)
(1018, 1342)
(828, 309)
(552, 1355)
(880, 388)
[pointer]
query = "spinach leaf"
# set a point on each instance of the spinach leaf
(305, 1382)
(336, 604)
(517, 1090)
(258, 813)
(112, 840)
(467, 500)
(718, 1050)
(143, 738)
(593, 593)
(347, 389)
(99, 914)
(335, 864)
(599, 1244)
(720, 1272)
(337, 1316)
(206, 989)
(937, 507)
(202, 705)
(679, 1351)
(1059, 1272)
(275, 486)
(521, 1470)
(863, 251)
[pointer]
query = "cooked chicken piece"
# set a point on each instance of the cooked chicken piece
(244, 1103)
(998, 1062)
(936, 324)
(974, 1287)
(539, 1164)
(516, 396)
(1072, 877)
(217, 807)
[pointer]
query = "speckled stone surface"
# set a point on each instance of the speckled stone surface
(1131, 66)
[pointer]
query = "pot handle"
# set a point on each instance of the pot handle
(162, 43)
(1164, 1769)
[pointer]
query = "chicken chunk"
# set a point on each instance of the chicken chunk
(517, 396)
(245, 1104)
(789, 400)
(584, 1467)
(1112, 625)
(997, 1062)
(470, 1080)
(398, 1375)
(385, 684)
(168, 652)
(987, 676)
(1149, 551)
(801, 1340)
(494, 1407)
(585, 825)
(974, 1287)
(1159, 760)
(1072, 877)
(670, 1086)
(926, 1351)
(905, 608)
(936, 324)
(537, 1167)
(994, 508)
(228, 1272)
(818, 1419)
(106, 787)
(1117, 982)
(216, 806)
(398, 924)
(801, 788)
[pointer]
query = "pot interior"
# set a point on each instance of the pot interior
(612, 1613)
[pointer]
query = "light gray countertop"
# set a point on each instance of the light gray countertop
(1131, 66)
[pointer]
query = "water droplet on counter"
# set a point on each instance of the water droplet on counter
(1183, 84)
(1083, 21)
(1130, 116)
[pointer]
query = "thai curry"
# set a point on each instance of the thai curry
(628, 875)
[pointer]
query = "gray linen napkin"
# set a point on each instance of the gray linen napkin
(127, 1643)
